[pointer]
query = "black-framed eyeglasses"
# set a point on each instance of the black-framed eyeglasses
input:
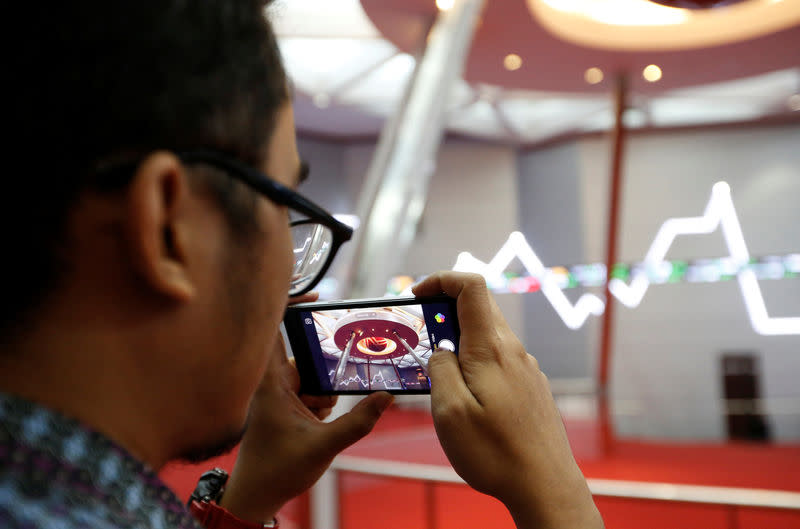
(317, 236)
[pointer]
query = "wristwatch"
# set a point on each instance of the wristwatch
(204, 504)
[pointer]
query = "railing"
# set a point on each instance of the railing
(325, 501)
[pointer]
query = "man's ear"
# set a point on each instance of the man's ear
(158, 242)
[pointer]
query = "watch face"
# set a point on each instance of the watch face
(210, 486)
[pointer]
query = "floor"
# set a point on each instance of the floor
(408, 435)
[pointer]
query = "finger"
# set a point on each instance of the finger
(474, 308)
(321, 413)
(477, 313)
(304, 298)
(448, 387)
(276, 359)
(319, 402)
(357, 423)
(280, 368)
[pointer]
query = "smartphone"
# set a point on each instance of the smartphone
(361, 346)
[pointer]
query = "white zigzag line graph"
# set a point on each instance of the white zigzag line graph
(719, 213)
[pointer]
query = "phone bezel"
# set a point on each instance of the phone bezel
(295, 332)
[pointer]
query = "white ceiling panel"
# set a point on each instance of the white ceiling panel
(321, 18)
(381, 89)
(666, 112)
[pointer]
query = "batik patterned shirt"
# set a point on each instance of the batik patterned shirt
(56, 473)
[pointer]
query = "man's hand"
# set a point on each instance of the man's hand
(287, 447)
(495, 416)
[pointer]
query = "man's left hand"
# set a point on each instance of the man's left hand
(287, 446)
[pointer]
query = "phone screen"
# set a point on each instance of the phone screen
(370, 345)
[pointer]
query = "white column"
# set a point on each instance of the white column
(324, 502)
(410, 351)
(396, 185)
(342, 365)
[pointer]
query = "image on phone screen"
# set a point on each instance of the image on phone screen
(361, 349)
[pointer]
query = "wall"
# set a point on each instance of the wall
(552, 218)
(665, 374)
(666, 378)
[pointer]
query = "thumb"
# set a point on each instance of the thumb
(358, 422)
(447, 382)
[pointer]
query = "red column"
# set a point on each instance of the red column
(606, 340)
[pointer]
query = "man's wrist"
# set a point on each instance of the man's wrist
(214, 516)
(570, 507)
(238, 499)
(582, 517)
(207, 504)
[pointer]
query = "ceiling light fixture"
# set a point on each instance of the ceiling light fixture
(651, 73)
(512, 62)
(445, 5)
(593, 75)
(695, 4)
(620, 12)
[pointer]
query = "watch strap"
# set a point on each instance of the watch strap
(214, 516)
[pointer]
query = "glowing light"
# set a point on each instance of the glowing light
(794, 102)
(573, 316)
(447, 345)
(593, 75)
(773, 267)
(512, 62)
(445, 5)
(621, 12)
(376, 346)
(792, 263)
(651, 73)
(399, 285)
(719, 213)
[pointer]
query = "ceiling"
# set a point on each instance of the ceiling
(350, 60)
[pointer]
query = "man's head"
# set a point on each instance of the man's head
(103, 83)
(162, 282)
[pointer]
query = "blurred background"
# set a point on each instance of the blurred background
(552, 145)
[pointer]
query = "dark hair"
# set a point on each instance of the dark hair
(101, 82)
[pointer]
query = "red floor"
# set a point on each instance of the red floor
(369, 503)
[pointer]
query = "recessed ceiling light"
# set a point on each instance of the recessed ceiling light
(794, 102)
(444, 5)
(512, 62)
(593, 75)
(651, 73)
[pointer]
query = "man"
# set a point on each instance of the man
(152, 262)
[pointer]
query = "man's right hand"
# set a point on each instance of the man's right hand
(495, 416)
